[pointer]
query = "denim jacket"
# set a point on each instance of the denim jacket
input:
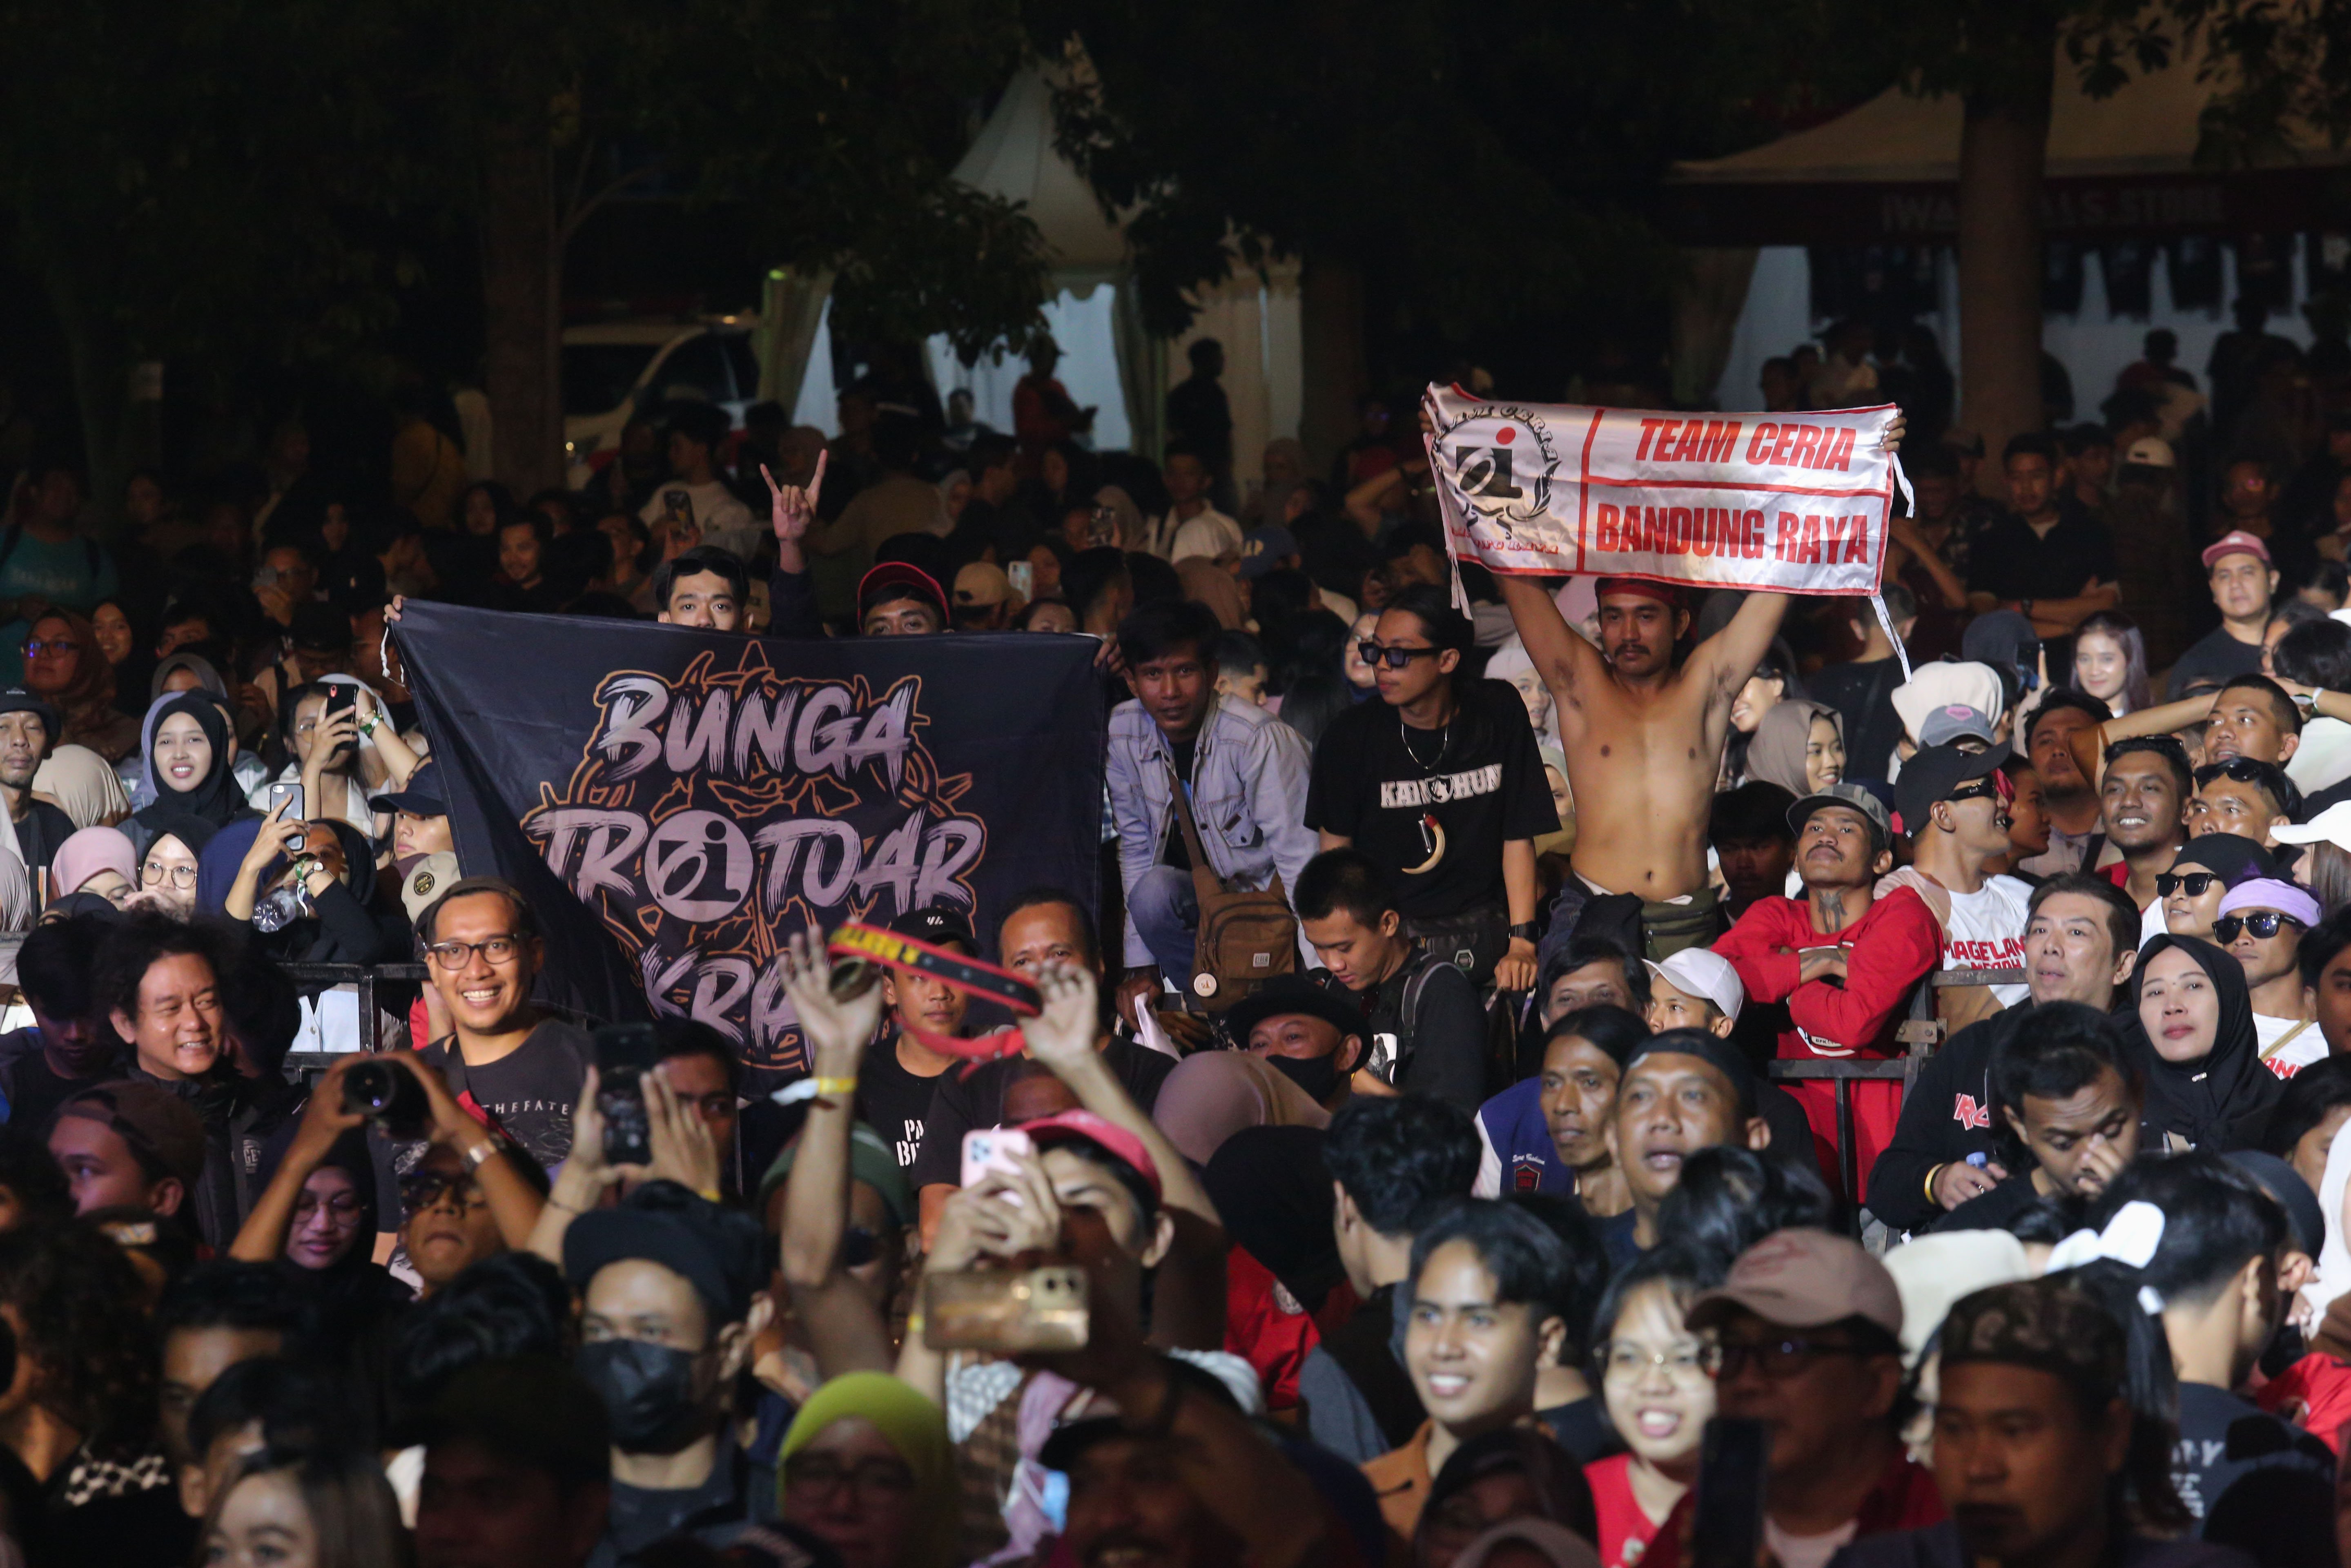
(1249, 795)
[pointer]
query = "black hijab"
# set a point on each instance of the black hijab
(2222, 1101)
(215, 796)
(161, 821)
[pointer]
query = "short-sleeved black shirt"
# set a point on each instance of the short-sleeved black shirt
(959, 1104)
(1479, 777)
(2010, 561)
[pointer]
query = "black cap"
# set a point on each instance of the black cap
(17, 699)
(322, 628)
(714, 1249)
(2284, 1185)
(938, 926)
(2234, 856)
(1931, 775)
(1067, 1441)
(1712, 1049)
(533, 1409)
(1293, 994)
(421, 796)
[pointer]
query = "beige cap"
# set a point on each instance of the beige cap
(1933, 1271)
(982, 583)
(2151, 451)
(433, 873)
(1804, 1279)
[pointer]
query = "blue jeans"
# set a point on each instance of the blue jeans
(1165, 910)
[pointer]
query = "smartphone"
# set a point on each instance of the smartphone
(1007, 1312)
(1726, 1526)
(677, 507)
(1023, 577)
(987, 1149)
(625, 1053)
(282, 792)
(2028, 662)
(342, 698)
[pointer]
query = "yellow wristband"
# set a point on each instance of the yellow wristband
(809, 1088)
(1931, 1175)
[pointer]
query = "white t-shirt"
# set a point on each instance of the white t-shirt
(725, 521)
(1808, 1550)
(2298, 1043)
(1987, 932)
(1210, 533)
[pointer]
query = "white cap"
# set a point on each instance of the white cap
(2331, 826)
(2151, 451)
(1702, 972)
(1947, 684)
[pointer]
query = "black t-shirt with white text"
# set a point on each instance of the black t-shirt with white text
(531, 1091)
(1479, 778)
(892, 1101)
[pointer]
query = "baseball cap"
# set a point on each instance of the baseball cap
(2151, 451)
(1287, 994)
(981, 584)
(900, 579)
(2331, 826)
(2234, 856)
(163, 1130)
(1933, 1272)
(1085, 1128)
(1953, 721)
(1849, 795)
(320, 628)
(1702, 972)
(2304, 1217)
(714, 1249)
(421, 796)
(1070, 1439)
(1707, 1047)
(2236, 541)
(1947, 682)
(1267, 548)
(17, 699)
(426, 881)
(939, 923)
(1931, 775)
(1802, 1278)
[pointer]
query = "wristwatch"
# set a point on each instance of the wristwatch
(1524, 929)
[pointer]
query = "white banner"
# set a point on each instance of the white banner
(1791, 502)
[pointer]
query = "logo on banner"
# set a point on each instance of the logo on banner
(713, 814)
(1502, 469)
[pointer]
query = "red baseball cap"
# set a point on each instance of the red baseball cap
(2237, 542)
(1108, 1136)
(915, 582)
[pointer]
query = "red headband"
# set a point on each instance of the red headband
(1673, 595)
(870, 945)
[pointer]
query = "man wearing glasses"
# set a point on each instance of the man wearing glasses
(520, 1066)
(1954, 806)
(2260, 924)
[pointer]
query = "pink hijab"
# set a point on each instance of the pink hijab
(85, 853)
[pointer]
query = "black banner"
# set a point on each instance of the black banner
(677, 803)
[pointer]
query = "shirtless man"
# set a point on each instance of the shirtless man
(1643, 739)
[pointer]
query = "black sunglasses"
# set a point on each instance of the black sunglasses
(1372, 652)
(2197, 882)
(2243, 769)
(2262, 922)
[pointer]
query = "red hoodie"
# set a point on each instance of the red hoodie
(1893, 946)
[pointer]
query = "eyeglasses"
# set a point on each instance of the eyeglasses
(1775, 1358)
(35, 647)
(343, 1208)
(421, 1190)
(1396, 658)
(154, 873)
(457, 955)
(873, 1480)
(2262, 922)
(2197, 882)
(1619, 1359)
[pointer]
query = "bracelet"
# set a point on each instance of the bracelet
(1932, 1173)
(809, 1088)
(480, 1154)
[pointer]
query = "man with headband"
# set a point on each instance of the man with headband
(2260, 924)
(1682, 1090)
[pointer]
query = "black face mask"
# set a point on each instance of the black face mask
(648, 1393)
(1318, 1075)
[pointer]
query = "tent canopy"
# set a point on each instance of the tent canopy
(1887, 172)
(1014, 157)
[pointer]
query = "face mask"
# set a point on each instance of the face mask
(648, 1393)
(1318, 1075)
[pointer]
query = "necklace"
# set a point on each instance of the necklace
(1444, 739)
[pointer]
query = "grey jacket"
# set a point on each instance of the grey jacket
(1248, 784)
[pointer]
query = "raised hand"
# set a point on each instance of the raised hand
(1063, 1035)
(791, 507)
(837, 1028)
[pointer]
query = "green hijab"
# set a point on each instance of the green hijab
(916, 1428)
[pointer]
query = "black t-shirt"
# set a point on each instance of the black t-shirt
(1172, 853)
(2217, 655)
(959, 1104)
(1864, 696)
(33, 1089)
(2251, 1481)
(531, 1091)
(39, 835)
(892, 1101)
(1581, 1426)
(2010, 561)
(1478, 777)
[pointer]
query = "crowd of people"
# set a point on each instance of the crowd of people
(1617, 1074)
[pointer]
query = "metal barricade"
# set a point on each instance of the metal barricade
(1921, 1029)
(310, 1064)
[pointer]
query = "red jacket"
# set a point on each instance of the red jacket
(1887, 952)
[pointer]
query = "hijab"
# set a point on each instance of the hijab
(349, 1155)
(2222, 1101)
(209, 678)
(1212, 1094)
(1131, 530)
(1775, 753)
(215, 797)
(81, 784)
(917, 1429)
(1206, 583)
(162, 822)
(85, 702)
(89, 851)
(220, 860)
